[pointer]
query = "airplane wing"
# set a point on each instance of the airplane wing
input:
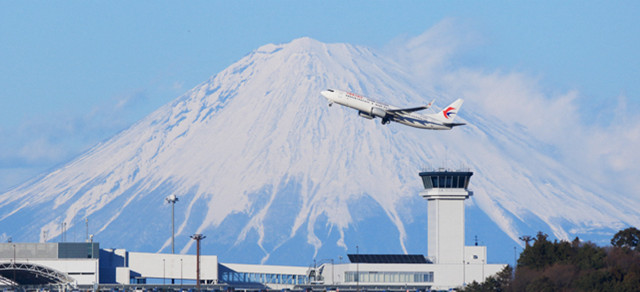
(412, 109)
(407, 110)
(454, 124)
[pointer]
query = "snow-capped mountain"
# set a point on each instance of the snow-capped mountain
(269, 173)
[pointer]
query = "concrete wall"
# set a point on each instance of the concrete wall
(475, 254)
(446, 224)
(49, 250)
(125, 265)
(446, 231)
(29, 250)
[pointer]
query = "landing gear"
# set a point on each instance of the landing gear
(330, 104)
(385, 121)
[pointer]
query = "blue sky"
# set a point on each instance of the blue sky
(73, 73)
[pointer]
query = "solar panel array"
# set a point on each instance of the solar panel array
(388, 259)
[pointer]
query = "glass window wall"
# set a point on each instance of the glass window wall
(389, 277)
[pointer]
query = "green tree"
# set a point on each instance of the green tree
(543, 284)
(629, 238)
(579, 266)
(589, 257)
(539, 255)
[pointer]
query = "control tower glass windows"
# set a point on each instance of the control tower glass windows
(445, 179)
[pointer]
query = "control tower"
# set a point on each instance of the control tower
(446, 191)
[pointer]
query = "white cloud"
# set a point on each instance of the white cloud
(432, 52)
(43, 141)
(603, 149)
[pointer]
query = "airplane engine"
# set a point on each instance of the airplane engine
(377, 112)
(365, 115)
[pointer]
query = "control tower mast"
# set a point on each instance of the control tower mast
(446, 191)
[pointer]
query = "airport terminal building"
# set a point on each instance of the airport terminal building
(449, 263)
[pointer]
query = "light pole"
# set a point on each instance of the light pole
(13, 265)
(358, 269)
(172, 199)
(464, 274)
(86, 221)
(93, 258)
(333, 275)
(483, 279)
(198, 238)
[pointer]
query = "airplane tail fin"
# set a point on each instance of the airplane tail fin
(448, 114)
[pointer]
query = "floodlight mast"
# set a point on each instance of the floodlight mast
(172, 199)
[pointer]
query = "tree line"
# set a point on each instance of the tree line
(571, 266)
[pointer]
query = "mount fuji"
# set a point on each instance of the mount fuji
(271, 174)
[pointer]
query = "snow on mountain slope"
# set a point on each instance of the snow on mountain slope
(271, 174)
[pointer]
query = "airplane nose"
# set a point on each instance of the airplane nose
(326, 94)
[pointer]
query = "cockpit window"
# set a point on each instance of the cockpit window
(330, 90)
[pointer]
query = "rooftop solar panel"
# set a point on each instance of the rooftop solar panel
(388, 259)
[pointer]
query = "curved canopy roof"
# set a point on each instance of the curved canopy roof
(31, 274)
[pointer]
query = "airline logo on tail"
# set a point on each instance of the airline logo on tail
(447, 113)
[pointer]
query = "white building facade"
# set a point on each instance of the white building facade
(124, 267)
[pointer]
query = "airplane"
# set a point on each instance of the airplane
(370, 109)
